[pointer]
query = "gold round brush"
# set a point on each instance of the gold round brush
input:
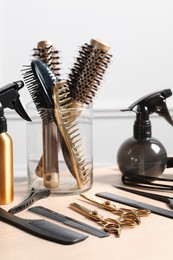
(46, 52)
(79, 89)
(88, 71)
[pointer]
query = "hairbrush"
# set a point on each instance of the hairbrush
(49, 55)
(81, 87)
(39, 80)
(87, 73)
(66, 120)
(46, 52)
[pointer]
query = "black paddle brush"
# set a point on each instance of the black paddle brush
(39, 80)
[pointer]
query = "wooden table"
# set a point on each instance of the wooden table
(152, 239)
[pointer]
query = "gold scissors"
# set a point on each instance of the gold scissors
(109, 226)
(130, 215)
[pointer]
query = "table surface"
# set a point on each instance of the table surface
(152, 239)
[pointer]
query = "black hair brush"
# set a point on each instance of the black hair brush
(39, 80)
(88, 71)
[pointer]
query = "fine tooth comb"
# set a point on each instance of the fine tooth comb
(47, 53)
(39, 80)
(68, 127)
(88, 70)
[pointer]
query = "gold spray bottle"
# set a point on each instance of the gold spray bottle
(9, 98)
(6, 162)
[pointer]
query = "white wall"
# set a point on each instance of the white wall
(141, 35)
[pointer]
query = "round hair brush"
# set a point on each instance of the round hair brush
(88, 71)
(46, 52)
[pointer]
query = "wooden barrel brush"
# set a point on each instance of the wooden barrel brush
(88, 70)
(47, 53)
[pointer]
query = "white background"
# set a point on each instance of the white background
(140, 33)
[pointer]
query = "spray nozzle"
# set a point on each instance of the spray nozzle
(153, 103)
(9, 97)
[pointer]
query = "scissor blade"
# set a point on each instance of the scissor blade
(154, 196)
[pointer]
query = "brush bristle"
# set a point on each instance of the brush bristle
(87, 73)
(34, 80)
(47, 53)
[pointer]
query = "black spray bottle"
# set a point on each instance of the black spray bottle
(142, 154)
(9, 98)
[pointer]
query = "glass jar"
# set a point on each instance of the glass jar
(58, 158)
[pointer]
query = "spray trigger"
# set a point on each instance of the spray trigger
(9, 97)
(155, 103)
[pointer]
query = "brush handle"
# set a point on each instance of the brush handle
(50, 156)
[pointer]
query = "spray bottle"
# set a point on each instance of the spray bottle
(9, 98)
(142, 154)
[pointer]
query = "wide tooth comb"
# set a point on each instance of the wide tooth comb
(88, 70)
(67, 128)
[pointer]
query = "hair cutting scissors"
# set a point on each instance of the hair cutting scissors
(127, 218)
(108, 226)
(133, 214)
